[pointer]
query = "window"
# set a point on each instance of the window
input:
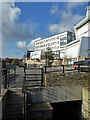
(63, 43)
(57, 37)
(63, 38)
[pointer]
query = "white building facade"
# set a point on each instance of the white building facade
(82, 29)
(80, 48)
(64, 45)
(56, 43)
(77, 50)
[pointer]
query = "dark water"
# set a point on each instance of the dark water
(67, 110)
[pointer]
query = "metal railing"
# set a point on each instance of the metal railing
(7, 77)
(29, 75)
(58, 68)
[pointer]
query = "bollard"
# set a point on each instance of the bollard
(42, 77)
(79, 68)
(63, 68)
(45, 69)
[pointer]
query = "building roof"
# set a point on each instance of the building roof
(73, 42)
(85, 20)
(55, 35)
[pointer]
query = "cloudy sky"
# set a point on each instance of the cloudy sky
(25, 22)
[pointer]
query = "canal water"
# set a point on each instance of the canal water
(67, 110)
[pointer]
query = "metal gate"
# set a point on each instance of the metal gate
(33, 77)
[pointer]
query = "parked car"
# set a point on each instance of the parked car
(81, 64)
(84, 63)
(75, 64)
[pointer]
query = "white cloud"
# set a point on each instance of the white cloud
(11, 30)
(67, 21)
(30, 46)
(54, 9)
(21, 45)
(74, 4)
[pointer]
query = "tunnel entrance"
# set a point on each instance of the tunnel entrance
(67, 110)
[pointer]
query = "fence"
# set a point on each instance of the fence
(7, 77)
(59, 68)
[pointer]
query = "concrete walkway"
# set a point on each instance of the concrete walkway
(17, 81)
(14, 101)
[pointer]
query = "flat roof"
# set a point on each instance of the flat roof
(55, 35)
(71, 43)
(84, 21)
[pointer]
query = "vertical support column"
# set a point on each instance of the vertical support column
(86, 103)
(0, 76)
(14, 74)
(27, 106)
(79, 70)
(45, 69)
(42, 79)
(63, 68)
(5, 82)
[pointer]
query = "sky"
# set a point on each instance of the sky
(23, 23)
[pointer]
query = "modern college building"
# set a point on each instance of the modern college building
(66, 46)
(56, 43)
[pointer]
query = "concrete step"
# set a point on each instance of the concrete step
(15, 99)
(13, 106)
(12, 118)
(14, 109)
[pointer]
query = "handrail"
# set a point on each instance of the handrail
(5, 76)
(63, 68)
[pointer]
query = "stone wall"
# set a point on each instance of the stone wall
(86, 103)
(55, 94)
(3, 102)
(66, 79)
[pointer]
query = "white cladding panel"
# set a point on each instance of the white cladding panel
(61, 54)
(72, 51)
(78, 49)
(36, 54)
(83, 31)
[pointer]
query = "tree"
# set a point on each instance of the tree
(8, 60)
(16, 61)
(49, 57)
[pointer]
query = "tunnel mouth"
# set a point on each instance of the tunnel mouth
(71, 110)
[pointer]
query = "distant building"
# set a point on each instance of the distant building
(80, 48)
(77, 50)
(67, 46)
(56, 43)
(83, 28)
(26, 56)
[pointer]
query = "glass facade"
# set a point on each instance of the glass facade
(63, 41)
(67, 38)
(70, 37)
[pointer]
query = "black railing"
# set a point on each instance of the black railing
(4, 78)
(7, 77)
(67, 68)
(58, 68)
(82, 68)
(35, 79)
